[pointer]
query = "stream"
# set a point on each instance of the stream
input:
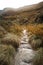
(25, 53)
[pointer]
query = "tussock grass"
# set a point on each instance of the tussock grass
(35, 29)
(38, 59)
(7, 53)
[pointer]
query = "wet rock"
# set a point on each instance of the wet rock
(24, 56)
(25, 52)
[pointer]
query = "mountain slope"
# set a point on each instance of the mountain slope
(28, 14)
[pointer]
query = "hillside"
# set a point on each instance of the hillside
(29, 17)
(27, 14)
(21, 35)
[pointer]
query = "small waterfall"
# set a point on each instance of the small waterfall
(25, 53)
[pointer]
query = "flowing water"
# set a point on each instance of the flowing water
(25, 53)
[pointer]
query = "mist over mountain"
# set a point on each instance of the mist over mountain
(25, 8)
(31, 14)
(25, 14)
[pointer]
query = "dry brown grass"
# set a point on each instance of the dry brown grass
(16, 29)
(35, 29)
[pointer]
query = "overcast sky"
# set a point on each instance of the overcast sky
(17, 3)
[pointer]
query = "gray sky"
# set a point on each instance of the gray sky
(17, 3)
